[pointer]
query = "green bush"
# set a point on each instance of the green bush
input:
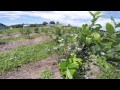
(86, 41)
(47, 74)
(36, 30)
(26, 32)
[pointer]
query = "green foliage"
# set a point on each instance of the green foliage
(36, 30)
(96, 37)
(110, 28)
(113, 20)
(70, 66)
(108, 71)
(8, 33)
(22, 31)
(18, 38)
(117, 25)
(95, 16)
(47, 74)
(22, 55)
(88, 41)
(14, 30)
(85, 41)
(10, 39)
(46, 30)
(26, 32)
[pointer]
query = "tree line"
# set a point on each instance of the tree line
(34, 25)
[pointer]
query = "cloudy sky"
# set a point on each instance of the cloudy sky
(76, 18)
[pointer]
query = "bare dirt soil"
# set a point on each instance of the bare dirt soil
(94, 70)
(33, 70)
(13, 35)
(28, 42)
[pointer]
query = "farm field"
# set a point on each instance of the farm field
(17, 51)
(85, 52)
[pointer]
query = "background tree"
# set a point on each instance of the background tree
(45, 23)
(52, 22)
(57, 23)
(69, 25)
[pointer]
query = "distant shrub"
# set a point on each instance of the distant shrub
(21, 31)
(8, 32)
(26, 32)
(36, 30)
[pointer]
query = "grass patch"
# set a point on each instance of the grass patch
(36, 35)
(22, 55)
(47, 74)
(108, 71)
(10, 39)
(10, 31)
(14, 30)
(19, 38)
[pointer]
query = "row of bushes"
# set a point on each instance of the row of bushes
(75, 47)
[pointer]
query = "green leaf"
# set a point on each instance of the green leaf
(106, 47)
(106, 40)
(62, 65)
(96, 37)
(69, 61)
(100, 16)
(87, 32)
(112, 19)
(118, 25)
(99, 25)
(105, 66)
(97, 48)
(79, 60)
(91, 14)
(92, 49)
(117, 47)
(88, 41)
(85, 27)
(113, 36)
(63, 72)
(73, 65)
(83, 39)
(68, 74)
(110, 28)
(118, 35)
(72, 71)
(97, 13)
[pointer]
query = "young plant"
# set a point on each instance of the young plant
(69, 67)
(36, 30)
(8, 32)
(86, 41)
(26, 32)
(47, 74)
(22, 31)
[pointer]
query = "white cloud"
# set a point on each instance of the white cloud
(55, 15)
(68, 17)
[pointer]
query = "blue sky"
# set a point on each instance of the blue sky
(76, 18)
